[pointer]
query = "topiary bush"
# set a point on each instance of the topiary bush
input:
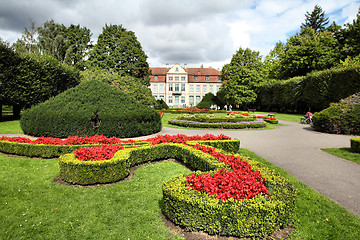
(88, 109)
(355, 144)
(338, 118)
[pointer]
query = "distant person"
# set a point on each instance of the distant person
(230, 108)
(225, 107)
(308, 115)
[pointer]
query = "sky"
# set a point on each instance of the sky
(195, 32)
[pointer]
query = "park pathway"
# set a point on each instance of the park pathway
(296, 148)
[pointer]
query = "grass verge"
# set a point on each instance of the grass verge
(316, 216)
(344, 153)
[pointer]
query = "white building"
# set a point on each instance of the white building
(183, 87)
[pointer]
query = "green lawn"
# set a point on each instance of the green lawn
(344, 153)
(35, 207)
(9, 127)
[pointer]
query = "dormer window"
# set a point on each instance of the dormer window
(176, 69)
(195, 78)
(207, 78)
(156, 77)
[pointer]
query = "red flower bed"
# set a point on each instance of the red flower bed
(240, 183)
(100, 153)
(181, 138)
(248, 115)
(194, 109)
(73, 140)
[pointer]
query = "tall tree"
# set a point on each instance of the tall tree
(351, 38)
(272, 61)
(28, 42)
(242, 76)
(316, 19)
(308, 51)
(118, 50)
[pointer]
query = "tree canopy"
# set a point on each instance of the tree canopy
(118, 50)
(242, 76)
(316, 19)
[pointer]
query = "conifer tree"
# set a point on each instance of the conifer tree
(316, 19)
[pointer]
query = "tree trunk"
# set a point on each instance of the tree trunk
(16, 111)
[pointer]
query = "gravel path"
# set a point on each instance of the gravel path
(296, 148)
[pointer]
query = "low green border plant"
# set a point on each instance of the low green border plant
(249, 125)
(355, 144)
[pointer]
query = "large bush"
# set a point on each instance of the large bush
(208, 100)
(338, 118)
(91, 108)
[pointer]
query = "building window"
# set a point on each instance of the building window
(170, 99)
(197, 100)
(182, 78)
(191, 88)
(155, 77)
(176, 69)
(170, 87)
(198, 88)
(182, 99)
(219, 79)
(211, 88)
(191, 100)
(204, 88)
(155, 88)
(207, 78)
(161, 97)
(176, 100)
(183, 87)
(161, 87)
(195, 77)
(218, 87)
(176, 78)
(170, 78)
(176, 87)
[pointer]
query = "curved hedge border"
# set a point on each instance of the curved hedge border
(46, 150)
(355, 144)
(191, 209)
(228, 125)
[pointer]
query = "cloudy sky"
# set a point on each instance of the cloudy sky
(195, 32)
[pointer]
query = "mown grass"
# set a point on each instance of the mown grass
(33, 206)
(10, 127)
(344, 153)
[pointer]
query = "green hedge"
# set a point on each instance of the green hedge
(216, 119)
(257, 217)
(47, 151)
(223, 125)
(92, 172)
(315, 90)
(88, 109)
(230, 145)
(355, 144)
(338, 118)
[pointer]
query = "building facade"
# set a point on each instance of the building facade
(181, 86)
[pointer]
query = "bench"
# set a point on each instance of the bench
(251, 110)
(272, 114)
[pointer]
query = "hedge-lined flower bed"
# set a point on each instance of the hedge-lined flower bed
(211, 118)
(266, 119)
(355, 144)
(230, 196)
(258, 123)
(192, 110)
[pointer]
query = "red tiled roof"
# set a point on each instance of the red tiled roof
(159, 71)
(203, 71)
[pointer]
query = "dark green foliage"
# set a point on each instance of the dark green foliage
(208, 100)
(355, 144)
(315, 91)
(338, 118)
(91, 108)
(316, 19)
(161, 104)
(118, 50)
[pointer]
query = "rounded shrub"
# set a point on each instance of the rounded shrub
(88, 109)
(338, 118)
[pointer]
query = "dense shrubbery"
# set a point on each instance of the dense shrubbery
(91, 108)
(355, 144)
(338, 118)
(208, 100)
(316, 90)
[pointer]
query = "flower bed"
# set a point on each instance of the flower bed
(193, 110)
(258, 123)
(267, 119)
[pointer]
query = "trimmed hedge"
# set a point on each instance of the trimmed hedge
(88, 172)
(256, 217)
(338, 118)
(193, 210)
(218, 125)
(216, 119)
(47, 151)
(88, 109)
(355, 144)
